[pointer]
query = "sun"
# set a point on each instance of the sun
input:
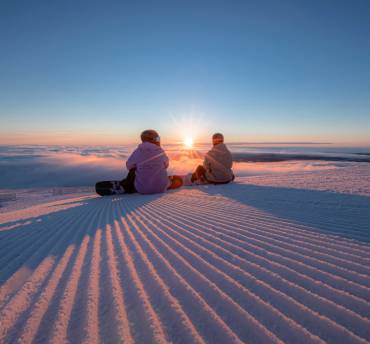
(188, 142)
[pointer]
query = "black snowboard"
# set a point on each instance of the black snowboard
(114, 187)
(107, 188)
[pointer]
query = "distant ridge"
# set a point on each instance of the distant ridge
(282, 143)
(272, 157)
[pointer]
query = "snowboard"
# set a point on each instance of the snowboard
(114, 187)
(109, 187)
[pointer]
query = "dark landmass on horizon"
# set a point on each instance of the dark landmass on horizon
(277, 157)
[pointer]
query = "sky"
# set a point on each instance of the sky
(100, 72)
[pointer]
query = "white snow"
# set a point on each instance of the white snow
(273, 258)
(351, 179)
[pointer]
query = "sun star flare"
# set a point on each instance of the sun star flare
(188, 142)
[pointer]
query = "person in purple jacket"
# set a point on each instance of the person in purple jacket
(147, 166)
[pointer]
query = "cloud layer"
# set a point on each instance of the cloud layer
(49, 166)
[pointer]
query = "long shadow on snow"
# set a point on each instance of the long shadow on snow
(332, 213)
(27, 243)
(339, 214)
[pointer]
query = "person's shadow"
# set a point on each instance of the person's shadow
(30, 240)
(48, 249)
(334, 213)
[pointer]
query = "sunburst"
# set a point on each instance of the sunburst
(188, 142)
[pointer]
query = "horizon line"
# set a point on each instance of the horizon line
(172, 143)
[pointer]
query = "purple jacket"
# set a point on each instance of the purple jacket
(151, 164)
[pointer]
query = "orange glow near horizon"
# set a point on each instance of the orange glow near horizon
(188, 131)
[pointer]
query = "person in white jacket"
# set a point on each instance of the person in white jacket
(217, 164)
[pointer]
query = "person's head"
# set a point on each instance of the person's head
(217, 139)
(151, 136)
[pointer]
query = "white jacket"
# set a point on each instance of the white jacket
(218, 163)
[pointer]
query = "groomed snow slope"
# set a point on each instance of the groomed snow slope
(216, 264)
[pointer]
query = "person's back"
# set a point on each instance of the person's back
(150, 163)
(218, 163)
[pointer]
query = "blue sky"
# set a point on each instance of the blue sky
(101, 71)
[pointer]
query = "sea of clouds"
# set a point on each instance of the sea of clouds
(61, 166)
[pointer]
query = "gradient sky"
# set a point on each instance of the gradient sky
(101, 71)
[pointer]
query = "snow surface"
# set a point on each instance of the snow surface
(351, 179)
(274, 258)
